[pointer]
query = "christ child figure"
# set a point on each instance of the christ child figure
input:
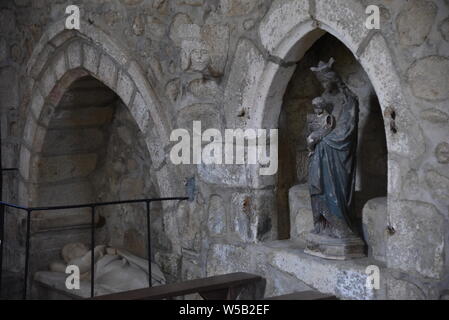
(320, 124)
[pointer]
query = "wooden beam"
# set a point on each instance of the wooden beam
(226, 286)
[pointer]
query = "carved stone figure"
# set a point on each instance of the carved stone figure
(195, 56)
(116, 270)
(332, 145)
(320, 124)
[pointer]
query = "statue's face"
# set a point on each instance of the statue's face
(318, 108)
(327, 85)
(199, 58)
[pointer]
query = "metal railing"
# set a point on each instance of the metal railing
(92, 206)
(2, 218)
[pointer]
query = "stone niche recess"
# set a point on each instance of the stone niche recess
(294, 209)
(92, 152)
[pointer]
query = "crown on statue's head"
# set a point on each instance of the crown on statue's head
(323, 66)
(324, 70)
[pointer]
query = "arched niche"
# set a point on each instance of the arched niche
(293, 201)
(93, 151)
(60, 59)
(286, 32)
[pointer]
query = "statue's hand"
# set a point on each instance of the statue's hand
(312, 142)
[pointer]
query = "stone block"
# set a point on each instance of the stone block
(125, 87)
(38, 61)
(189, 220)
(417, 245)
(24, 166)
(229, 175)
(47, 82)
(375, 227)
(422, 11)
(301, 216)
(428, 78)
(60, 168)
(140, 112)
(72, 141)
(107, 71)
(217, 216)
(438, 185)
(77, 117)
(435, 116)
(240, 92)
(30, 131)
(78, 193)
(59, 65)
(233, 8)
(91, 58)
(62, 219)
(9, 95)
(74, 55)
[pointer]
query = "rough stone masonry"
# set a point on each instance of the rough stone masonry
(86, 115)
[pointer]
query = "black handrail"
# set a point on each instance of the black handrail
(93, 206)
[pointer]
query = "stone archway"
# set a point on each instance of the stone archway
(287, 31)
(62, 57)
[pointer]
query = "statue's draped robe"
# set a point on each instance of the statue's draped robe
(332, 167)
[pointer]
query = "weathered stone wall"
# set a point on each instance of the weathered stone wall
(125, 173)
(228, 63)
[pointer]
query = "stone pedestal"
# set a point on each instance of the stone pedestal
(333, 248)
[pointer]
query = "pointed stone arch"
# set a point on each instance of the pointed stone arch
(287, 31)
(63, 56)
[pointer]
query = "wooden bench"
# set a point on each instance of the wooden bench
(223, 287)
(304, 295)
